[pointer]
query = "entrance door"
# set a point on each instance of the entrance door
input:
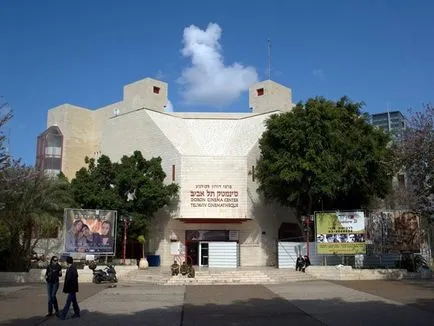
(192, 250)
(204, 253)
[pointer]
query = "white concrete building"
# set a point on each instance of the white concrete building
(220, 219)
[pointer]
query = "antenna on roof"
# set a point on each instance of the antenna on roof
(269, 58)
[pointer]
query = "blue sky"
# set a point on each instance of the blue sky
(83, 52)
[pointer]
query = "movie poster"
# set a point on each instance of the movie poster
(89, 231)
(393, 232)
(340, 233)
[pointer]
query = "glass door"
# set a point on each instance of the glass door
(203, 254)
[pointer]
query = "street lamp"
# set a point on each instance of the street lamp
(306, 221)
(126, 219)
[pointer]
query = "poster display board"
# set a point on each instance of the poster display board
(340, 233)
(89, 231)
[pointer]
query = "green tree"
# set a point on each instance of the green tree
(324, 155)
(33, 204)
(134, 186)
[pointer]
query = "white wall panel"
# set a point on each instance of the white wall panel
(223, 254)
(288, 252)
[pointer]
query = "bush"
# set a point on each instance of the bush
(412, 263)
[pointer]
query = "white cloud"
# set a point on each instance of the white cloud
(208, 81)
(168, 107)
(160, 75)
(319, 73)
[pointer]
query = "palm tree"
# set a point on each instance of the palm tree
(33, 204)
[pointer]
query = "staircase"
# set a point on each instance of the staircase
(217, 276)
(259, 275)
(152, 275)
(287, 275)
(222, 276)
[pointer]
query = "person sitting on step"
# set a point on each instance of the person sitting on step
(299, 263)
(175, 268)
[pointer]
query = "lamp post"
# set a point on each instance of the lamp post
(126, 219)
(306, 221)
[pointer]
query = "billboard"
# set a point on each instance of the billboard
(340, 233)
(90, 231)
(393, 232)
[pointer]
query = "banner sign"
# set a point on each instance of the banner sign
(89, 231)
(393, 232)
(340, 233)
(220, 194)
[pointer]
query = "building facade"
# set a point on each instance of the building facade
(393, 122)
(220, 219)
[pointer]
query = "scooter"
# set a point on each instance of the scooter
(107, 274)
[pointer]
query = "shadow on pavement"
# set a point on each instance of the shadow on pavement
(256, 312)
(417, 293)
(26, 304)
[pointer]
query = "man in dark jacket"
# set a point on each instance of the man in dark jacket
(299, 263)
(71, 288)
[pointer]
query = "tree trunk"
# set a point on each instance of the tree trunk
(310, 203)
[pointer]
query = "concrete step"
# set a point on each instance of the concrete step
(222, 277)
(194, 281)
(150, 276)
(217, 276)
(285, 276)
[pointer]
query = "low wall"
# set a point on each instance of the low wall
(347, 273)
(38, 275)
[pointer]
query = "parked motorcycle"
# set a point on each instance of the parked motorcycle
(107, 274)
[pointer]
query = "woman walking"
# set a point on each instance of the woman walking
(52, 274)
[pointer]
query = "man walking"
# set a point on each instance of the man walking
(71, 288)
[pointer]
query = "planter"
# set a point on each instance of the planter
(425, 274)
(143, 263)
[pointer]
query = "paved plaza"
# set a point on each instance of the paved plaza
(299, 303)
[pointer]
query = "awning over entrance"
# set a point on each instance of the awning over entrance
(214, 220)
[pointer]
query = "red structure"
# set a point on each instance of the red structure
(307, 220)
(126, 220)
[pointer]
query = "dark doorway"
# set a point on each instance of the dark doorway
(291, 232)
(204, 254)
(192, 249)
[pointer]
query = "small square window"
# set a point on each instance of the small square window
(156, 90)
(401, 180)
(260, 91)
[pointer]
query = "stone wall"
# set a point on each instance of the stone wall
(85, 275)
(347, 273)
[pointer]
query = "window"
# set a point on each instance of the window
(173, 172)
(401, 180)
(260, 91)
(156, 90)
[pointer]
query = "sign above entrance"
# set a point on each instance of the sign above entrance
(213, 188)
(215, 195)
(210, 235)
